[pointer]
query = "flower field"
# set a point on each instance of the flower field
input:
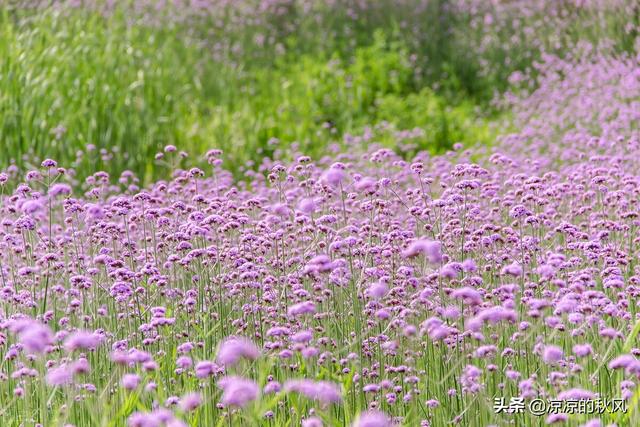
(426, 238)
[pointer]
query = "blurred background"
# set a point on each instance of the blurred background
(104, 85)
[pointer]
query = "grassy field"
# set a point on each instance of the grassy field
(107, 87)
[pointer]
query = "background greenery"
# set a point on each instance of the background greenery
(128, 81)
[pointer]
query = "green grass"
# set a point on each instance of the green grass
(135, 88)
(130, 86)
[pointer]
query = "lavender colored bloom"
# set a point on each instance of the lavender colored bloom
(59, 189)
(513, 269)
(432, 250)
(32, 206)
(323, 391)
(60, 376)
(238, 391)
(582, 350)
(82, 340)
(469, 295)
(372, 419)
(552, 354)
(205, 368)
(272, 387)
(308, 206)
(190, 402)
(49, 163)
(627, 362)
(306, 307)
(333, 176)
(34, 336)
(302, 336)
(366, 185)
(130, 381)
(185, 362)
(311, 422)
(377, 290)
(469, 265)
(576, 394)
(234, 348)
(556, 418)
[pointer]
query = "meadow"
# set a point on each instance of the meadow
(319, 213)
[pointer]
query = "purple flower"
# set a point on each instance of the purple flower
(582, 350)
(333, 176)
(59, 189)
(130, 381)
(431, 249)
(627, 362)
(306, 307)
(238, 391)
(556, 418)
(377, 290)
(82, 340)
(513, 269)
(552, 354)
(190, 402)
(34, 336)
(307, 206)
(205, 368)
(311, 422)
(302, 336)
(62, 375)
(366, 185)
(468, 295)
(323, 391)
(372, 419)
(272, 387)
(234, 348)
(576, 394)
(32, 206)
(469, 265)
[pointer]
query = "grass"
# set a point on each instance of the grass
(128, 84)
(73, 78)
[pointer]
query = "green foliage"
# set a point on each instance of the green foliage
(131, 89)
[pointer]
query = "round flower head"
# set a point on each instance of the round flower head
(373, 419)
(307, 206)
(552, 354)
(34, 336)
(306, 307)
(377, 290)
(513, 269)
(238, 391)
(205, 368)
(576, 394)
(323, 391)
(431, 249)
(333, 176)
(582, 350)
(234, 348)
(59, 189)
(366, 185)
(311, 422)
(130, 381)
(190, 402)
(81, 340)
(62, 375)
(32, 206)
(48, 163)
